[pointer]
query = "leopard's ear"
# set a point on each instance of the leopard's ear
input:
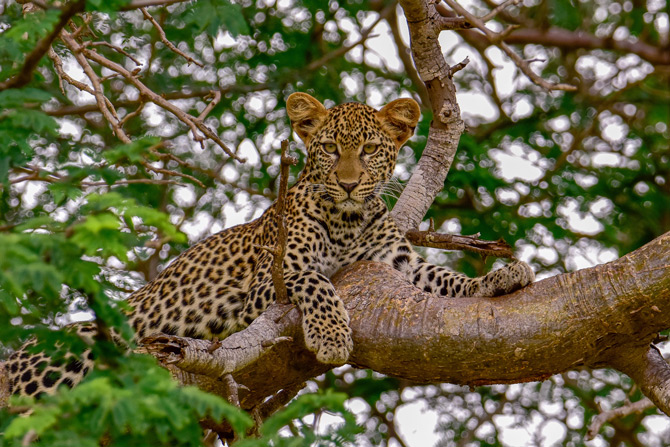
(399, 118)
(306, 114)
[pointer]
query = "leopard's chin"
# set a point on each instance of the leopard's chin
(350, 205)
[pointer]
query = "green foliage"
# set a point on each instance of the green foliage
(565, 14)
(108, 6)
(19, 126)
(302, 434)
(135, 402)
(213, 16)
(21, 37)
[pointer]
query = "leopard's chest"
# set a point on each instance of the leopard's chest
(320, 247)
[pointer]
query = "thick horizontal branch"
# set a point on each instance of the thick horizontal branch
(497, 39)
(260, 357)
(594, 317)
(563, 38)
(220, 357)
(598, 317)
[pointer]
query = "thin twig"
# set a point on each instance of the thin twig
(459, 66)
(63, 76)
(617, 413)
(29, 437)
(132, 114)
(83, 109)
(495, 39)
(165, 40)
(365, 34)
(213, 174)
(193, 123)
(278, 400)
(115, 48)
(88, 17)
(211, 105)
(106, 108)
(498, 9)
(149, 167)
(274, 341)
(135, 4)
(148, 181)
(231, 389)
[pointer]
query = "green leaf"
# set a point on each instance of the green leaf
(133, 152)
(565, 14)
(33, 120)
(40, 421)
(13, 98)
(108, 6)
(302, 406)
(212, 15)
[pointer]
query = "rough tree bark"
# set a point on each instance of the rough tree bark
(425, 25)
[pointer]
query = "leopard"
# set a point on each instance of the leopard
(335, 215)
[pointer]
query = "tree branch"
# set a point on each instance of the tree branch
(165, 40)
(499, 249)
(280, 217)
(563, 38)
(33, 58)
(193, 123)
(497, 39)
(408, 64)
(447, 126)
(135, 4)
(606, 416)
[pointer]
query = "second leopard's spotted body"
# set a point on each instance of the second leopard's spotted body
(334, 217)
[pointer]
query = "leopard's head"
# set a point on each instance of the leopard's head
(351, 148)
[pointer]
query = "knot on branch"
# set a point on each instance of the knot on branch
(166, 348)
(450, 115)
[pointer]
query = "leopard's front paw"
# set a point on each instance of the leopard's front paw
(331, 343)
(507, 279)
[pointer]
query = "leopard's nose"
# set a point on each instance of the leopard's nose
(348, 187)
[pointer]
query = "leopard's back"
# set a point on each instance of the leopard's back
(201, 294)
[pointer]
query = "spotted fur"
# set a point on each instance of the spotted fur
(334, 217)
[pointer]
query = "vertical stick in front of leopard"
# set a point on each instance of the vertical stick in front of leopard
(280, 245)
(4, 385)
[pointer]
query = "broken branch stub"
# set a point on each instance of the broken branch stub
(498, 249)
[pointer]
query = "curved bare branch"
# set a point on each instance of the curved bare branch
(425, 25)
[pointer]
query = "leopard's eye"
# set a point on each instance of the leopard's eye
(370, 148)
(329, 148)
